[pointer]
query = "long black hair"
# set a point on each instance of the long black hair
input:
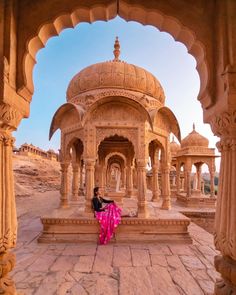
(95, 191)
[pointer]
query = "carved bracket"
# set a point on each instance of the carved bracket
(10, 117)
(224, 124)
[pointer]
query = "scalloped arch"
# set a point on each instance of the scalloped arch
(115, 154)
(130, 134)
(134, 12)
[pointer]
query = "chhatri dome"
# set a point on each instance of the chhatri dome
(115, 74)
(174, 146)
(194, 139)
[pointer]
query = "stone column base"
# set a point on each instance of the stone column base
(63, 204)
(227, 268)
(88, 206)
(142, 211)
(166, 205)
(7, 263)
(155, 197)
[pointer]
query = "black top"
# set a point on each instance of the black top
(97, 203)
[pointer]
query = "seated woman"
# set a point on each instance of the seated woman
(107, 213)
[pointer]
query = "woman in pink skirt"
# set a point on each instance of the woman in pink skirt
(107, 213)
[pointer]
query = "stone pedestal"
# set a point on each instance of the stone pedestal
(168, 227)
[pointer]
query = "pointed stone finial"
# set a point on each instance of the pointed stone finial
(193, 126)
(117, 50)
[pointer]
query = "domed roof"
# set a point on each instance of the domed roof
(115, 74)
(174, 146)
(194, 139)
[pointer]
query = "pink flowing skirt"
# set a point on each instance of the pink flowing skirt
(109, 220)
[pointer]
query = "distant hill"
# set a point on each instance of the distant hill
(35, 175)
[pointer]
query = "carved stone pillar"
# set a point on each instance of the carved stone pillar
(81, 179)
(64, 185)
(97, 174)
(89, 176)
(75, 181)
(155, 184)
(224, 126)
(166, 204)
(225, 220)
(178, 184)
(8, 225)
(129, 181)
(102, 177)
(187, 178)
(199, 177)
(141, 180)
(212, 184)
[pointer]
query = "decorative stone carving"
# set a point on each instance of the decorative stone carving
(7, 263)
(86, 100)
(10, 117)
(130, 133)
(224, 124)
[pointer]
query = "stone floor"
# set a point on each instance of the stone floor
(90, 269)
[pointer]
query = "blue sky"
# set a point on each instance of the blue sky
(74, 49)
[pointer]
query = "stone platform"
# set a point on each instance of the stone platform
(69, 225)
(116, 268)
(196, 201)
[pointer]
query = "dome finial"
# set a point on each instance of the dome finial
(117, 50)
(193, 126)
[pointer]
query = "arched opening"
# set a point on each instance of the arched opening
(115, 157)
(174, 25)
